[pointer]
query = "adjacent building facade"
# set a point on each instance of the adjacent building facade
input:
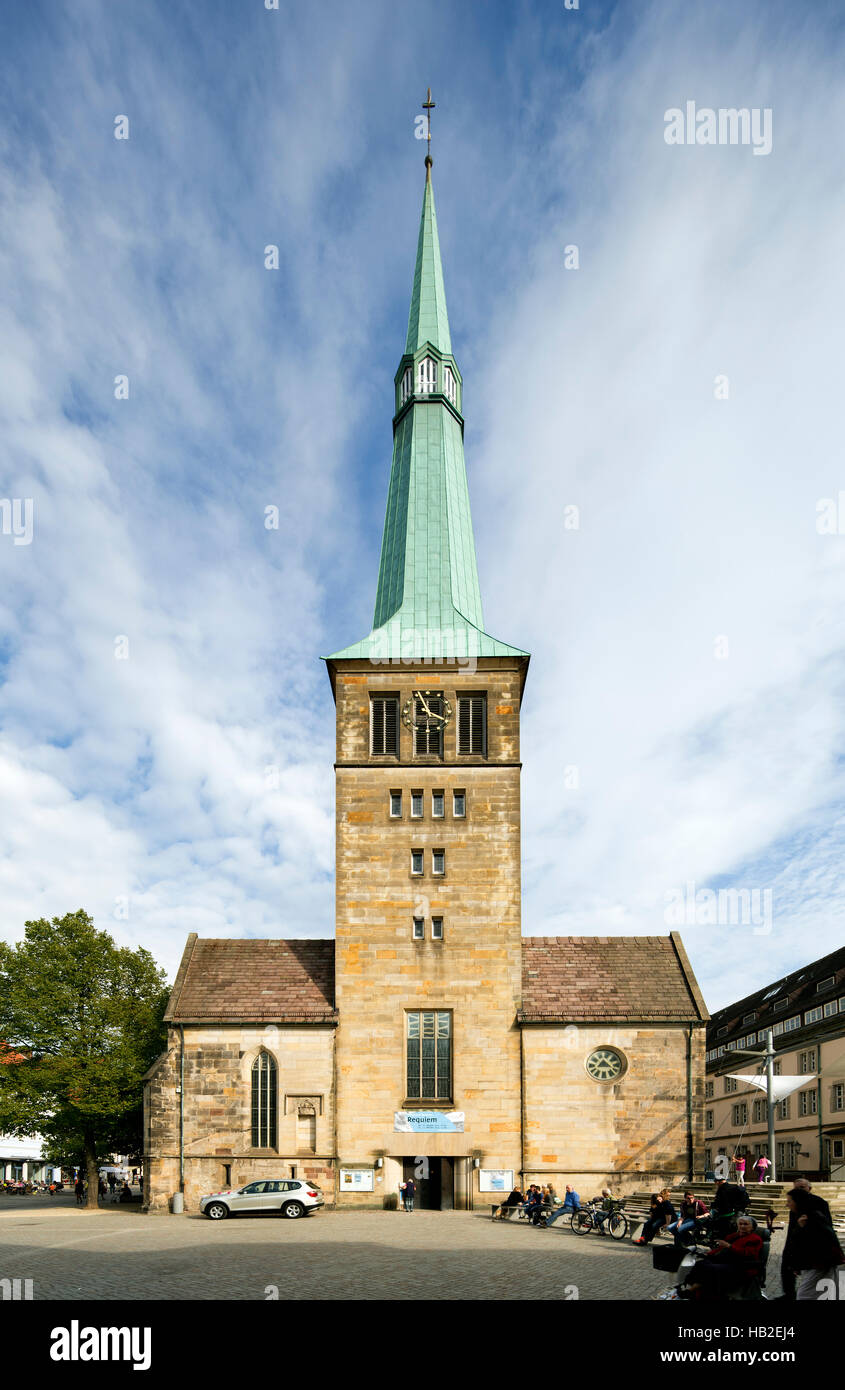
(429, 1037)
(806, 1014)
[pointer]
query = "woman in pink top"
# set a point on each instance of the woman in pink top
(762, 1165)
(739, 1164)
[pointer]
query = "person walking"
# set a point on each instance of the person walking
(762, 1165)
(792, 1244)
(79, 1189)
(815, 1252)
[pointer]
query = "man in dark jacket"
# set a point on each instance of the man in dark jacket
(788, 1263)
(729, 1201)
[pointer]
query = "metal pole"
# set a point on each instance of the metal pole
(770, 1071)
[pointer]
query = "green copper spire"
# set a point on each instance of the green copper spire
(428, 601)
(428, 321)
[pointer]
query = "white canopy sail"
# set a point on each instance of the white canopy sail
(782, 1086)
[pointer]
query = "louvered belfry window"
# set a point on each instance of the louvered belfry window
(449, 385)
(428, 735)
(427, 376)
(384, 725)
(407, 383)
(264, 1102)
(472, 724)
(429, 1045)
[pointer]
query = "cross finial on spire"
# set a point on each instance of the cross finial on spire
(428, 106)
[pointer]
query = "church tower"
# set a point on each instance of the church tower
(428, 932)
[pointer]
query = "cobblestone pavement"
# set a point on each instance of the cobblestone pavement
(121, 1253)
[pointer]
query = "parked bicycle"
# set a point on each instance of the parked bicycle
(591, 1217)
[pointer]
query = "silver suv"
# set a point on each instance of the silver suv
(291, 1196)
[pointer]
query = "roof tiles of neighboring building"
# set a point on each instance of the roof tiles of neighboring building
(249, 980)
(580, 978)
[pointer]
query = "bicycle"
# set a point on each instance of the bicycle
(586, 1219)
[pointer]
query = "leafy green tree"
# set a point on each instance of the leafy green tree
(86, 1016)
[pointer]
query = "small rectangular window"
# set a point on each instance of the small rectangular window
(419, 928)
(416, 805)
(384, 725)
(472, 725)
(438, 807)
(813, 1015)
(416, 861)
(793, 1023)
(708, 1090)
(837, 1096)
(749, 1018)
(708, 1119)
(459, 804)
(780, 1004)
(438, 861)
(825, 984)
(437, 928)
(395, 804)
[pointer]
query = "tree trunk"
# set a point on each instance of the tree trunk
(93, 1173)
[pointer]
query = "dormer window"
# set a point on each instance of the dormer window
(427, 376)
(407, 384)
(450, 385)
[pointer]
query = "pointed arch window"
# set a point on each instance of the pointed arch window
(407, 384)
(427, 376)
(264, 1103)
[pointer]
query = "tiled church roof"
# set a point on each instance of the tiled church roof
(286, 981)
(576, 978)
(564, 979)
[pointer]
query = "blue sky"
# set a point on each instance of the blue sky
(139, 788)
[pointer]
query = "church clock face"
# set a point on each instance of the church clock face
(426, 709)
(605, 1064)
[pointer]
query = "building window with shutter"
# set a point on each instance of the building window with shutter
(472, 725)
(427, 376)
(384, 725)
(264, 1092)
(429, 1055)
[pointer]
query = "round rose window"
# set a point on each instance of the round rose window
(605, 1064)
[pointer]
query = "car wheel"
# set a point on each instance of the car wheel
(293, 1209)
(217, 1211)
